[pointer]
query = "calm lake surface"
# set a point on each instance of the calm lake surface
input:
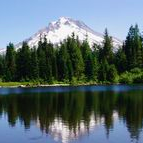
(85, 114)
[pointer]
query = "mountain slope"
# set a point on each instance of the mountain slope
(57, 31)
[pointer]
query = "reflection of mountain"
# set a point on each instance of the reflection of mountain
(67, 116)
(60, 131)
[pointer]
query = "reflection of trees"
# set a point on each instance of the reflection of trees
(130, 108)
(73, 107)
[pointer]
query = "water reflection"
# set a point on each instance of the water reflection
(70, 115)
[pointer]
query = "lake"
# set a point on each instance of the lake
(84, 114)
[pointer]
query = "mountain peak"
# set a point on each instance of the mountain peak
(59, 30)
(64, 19)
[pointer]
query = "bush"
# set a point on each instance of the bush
(126, 78)
(134, 76)
(136, 71)
(74, 81)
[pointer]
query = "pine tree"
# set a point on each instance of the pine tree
(129, 48)
(120, 60)
(138, 46)
(133, 48)
(75, 56)
(112, 74)
(106, 58)
(54, 64)
(107, 51)
(62, 63)
(23, 62)
(95, 55)
(42, 61)
(88, 60)
(34, 64)
(2, 66)
(70, 68)
(103, 71)
(48, 47)
(10, 63)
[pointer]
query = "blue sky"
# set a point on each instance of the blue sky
(19, 19)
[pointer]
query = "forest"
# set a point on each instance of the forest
(75, 62)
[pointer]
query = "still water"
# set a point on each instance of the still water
(86, 114)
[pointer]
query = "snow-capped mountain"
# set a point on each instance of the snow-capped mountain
(59, 30)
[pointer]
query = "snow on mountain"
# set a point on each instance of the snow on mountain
(59, 30)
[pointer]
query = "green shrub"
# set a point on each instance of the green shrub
(134, 76)
(126, 78)
(136, 71)
(74, 81)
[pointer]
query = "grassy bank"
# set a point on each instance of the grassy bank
(30, 84)
(11, 84)
(38, 84)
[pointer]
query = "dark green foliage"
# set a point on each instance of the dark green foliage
(112, 74)
(65, 68)
(24, 62)
(47, 61)
(120, 61)
(107, 51)
(103, 71)
(34, 64)
(75, 56)
(54, 64)
(133, 76)
(42, 61)
(10, 65)
(88, 60)
(75, 62)
(2, 60)
(48, 47)
(133, 48)
(62, 63)
(107, 70)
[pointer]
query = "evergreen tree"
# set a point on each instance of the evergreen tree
(75, 56)
(70, 68)
(88, 60)
(51, 61)
(42, 61)
(34, 64)
(129, 48)
(62, 62)
(48, 47)
(54, 64)
(133, 48)
(120, 60)
(2, 66)
(138, 46)
(23, 62)
(107, 51)
(103, 71)
(112, 74)
(106, 58)
(95, 55)
(10, 63)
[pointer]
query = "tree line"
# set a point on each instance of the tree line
(73, 61)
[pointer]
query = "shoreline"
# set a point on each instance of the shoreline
(32, 85)
(44, 85)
